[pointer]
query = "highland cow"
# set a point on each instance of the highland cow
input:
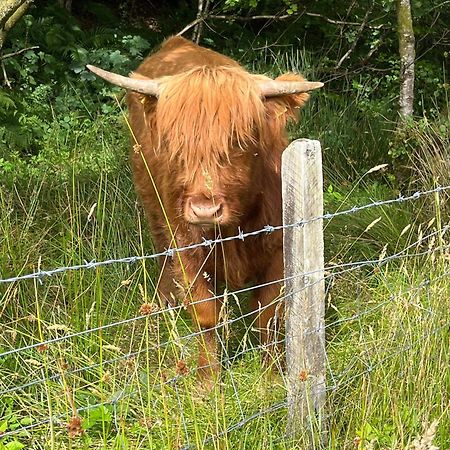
(206, 162)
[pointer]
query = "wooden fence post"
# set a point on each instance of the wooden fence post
(305, 295)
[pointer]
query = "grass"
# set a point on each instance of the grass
(387, 326)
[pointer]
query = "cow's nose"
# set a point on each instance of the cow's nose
(206, 211)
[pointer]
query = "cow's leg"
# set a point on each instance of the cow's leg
(205, 315)
(268, 307)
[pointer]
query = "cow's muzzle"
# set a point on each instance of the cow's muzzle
(200, 210)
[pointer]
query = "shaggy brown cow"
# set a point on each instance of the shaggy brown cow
(209, 138)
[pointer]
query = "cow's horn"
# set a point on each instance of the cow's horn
(145, 86)
(274, 88)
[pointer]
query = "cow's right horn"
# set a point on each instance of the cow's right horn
(142, 84)
(277, 88)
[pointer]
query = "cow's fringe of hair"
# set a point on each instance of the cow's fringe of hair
(205, 112)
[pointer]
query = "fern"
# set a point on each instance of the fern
(6, 102)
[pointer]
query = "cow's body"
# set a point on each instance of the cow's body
(206, 163)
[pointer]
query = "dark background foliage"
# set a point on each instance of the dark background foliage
(45, 92)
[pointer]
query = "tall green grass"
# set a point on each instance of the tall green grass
(387, 343)
(387, 326)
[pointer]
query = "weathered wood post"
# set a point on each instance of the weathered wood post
(305, 295)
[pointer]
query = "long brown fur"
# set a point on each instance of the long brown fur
(194, 112)
(210, 134)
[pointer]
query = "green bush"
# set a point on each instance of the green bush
(53, 99)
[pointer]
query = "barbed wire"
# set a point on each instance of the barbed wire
(268, 229)
(350, 265)
(331, 271)
(246, 420)
(173, 380)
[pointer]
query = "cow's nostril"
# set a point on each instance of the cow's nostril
(206, 211)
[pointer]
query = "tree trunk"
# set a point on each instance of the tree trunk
(407, 54)
(10, 12)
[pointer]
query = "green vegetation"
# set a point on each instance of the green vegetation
(388, 340)
(66, 197)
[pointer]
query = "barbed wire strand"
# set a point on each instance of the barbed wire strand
(355, 265)
(40, 274)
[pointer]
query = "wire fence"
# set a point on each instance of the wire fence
(161, 365)
(241, 235)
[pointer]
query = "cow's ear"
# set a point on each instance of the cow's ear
(279, 111)
(141, 102)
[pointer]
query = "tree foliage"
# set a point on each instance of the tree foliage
(352, 46)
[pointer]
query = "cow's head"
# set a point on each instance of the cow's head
(217, 128)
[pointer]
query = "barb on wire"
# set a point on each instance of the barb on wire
(41, 274)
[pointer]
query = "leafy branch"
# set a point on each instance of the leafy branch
(202, 17)
(23, 50)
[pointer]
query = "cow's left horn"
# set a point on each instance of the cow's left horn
(142, 85)
(276, 88)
